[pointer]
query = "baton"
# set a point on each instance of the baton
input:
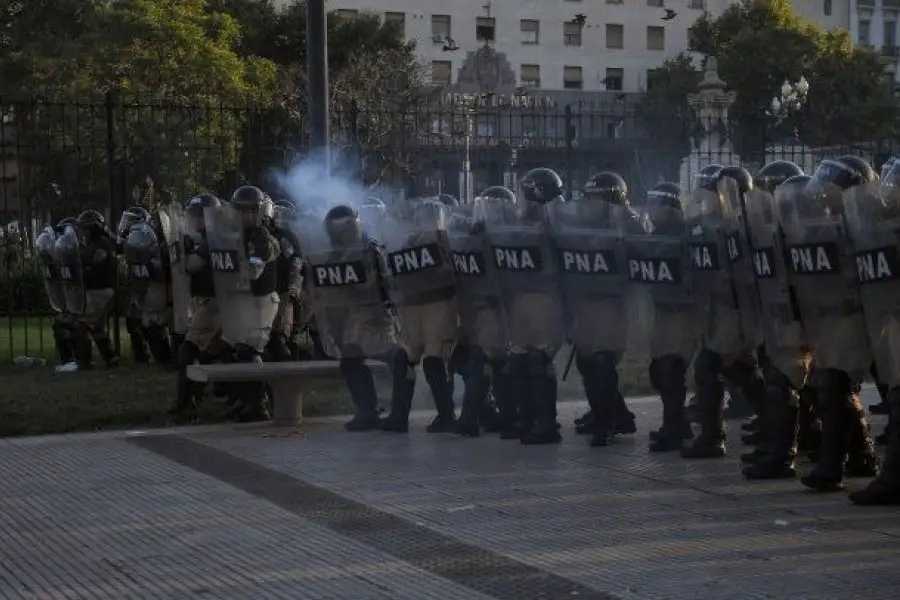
(569, 363)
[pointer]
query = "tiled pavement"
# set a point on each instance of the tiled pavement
(235, 513)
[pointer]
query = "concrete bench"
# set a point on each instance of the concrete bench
(287, 380)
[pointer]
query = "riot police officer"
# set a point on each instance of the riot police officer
(422, 289)
(203, 327)
(588, 236)
(67, 254)
(660, 262)
(481, 319)
(98, 263)
(526, 267)
(149, 268)
(45, 250)
(247, 314)
(724, 288)
(136, 333)
(823, 275)
(788, 356)
(345, 282)
(873, 217)
(289, 274)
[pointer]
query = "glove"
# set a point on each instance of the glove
(255, 265)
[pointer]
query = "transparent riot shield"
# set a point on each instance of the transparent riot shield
(344, 288)
(523, 256)
(373, 216)
(707, 236)
(142, 256)
(589, 238)
(228, 259)
(68, 253)
(739, 254)
(822, 271)
(45, 249)
(174, 225)
(780, 326)
(418, 261)
(660, 272)
(481, 316)
(873, 220)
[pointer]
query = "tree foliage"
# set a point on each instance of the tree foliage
(761, 43)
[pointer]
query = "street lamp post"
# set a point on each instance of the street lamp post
(788, 102)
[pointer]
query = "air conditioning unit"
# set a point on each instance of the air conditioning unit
(437, 39)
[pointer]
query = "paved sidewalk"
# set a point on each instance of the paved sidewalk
(229, 512)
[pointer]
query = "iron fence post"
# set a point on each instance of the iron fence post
(113, 206)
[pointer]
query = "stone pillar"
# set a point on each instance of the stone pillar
(877, 26)
(710, 143)
(854, 21)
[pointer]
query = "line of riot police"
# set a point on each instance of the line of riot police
(780, 285)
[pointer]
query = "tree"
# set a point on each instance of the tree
(376, 84)
(761, 43)
(158, 71)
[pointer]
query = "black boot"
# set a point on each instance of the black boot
(625, 424)
(710, 404)
(862, 461)
(521, 393)
(439, 379)
(105, 348)
(474, 400)
(507, 407)
(404, 388)
(776, 460)
(667, 373)
(885, 489)
(543, 391)
(834, 407)
(361, 385)
(584, 424)
(185, 406)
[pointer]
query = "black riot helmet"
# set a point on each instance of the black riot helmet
(342, 224)
(195, 209)
(498, 192)
(862, 171)
(91, 219)
(248, 197)
(740, 175)
(132, 216)
(607, 187)
(448, 200)
(708, 177)
(542, 185)
(664, 195)
(66, 222)
(775, 173)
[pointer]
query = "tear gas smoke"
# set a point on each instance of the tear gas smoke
(314, 188)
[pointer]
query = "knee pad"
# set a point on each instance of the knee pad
(833, 381)
(133, 325)
(539, 363)
(707, 367)
(435, 370)
(402, 366)
(246, 354)
(188, 352)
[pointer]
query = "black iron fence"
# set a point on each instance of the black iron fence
(59, 157)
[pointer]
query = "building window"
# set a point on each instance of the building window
(572, 78)
(346, 13)
(890, 34)
(655, 3)
(864, 37)
(440, 28)
(571, 34)
(652, 77)
(485, 29)
(398, 19)
(615, 36)
(613, 80)
(440, 73)
(530, 76)
(531, 31)
(826, 7)
(614, 1)
(697, 4)
(656, 38)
